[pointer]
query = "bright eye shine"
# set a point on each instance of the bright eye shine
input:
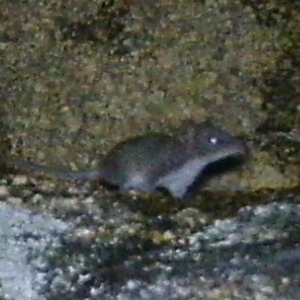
(213, 140)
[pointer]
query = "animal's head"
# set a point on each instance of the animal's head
(214, 142)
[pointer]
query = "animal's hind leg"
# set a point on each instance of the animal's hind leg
(139, 184)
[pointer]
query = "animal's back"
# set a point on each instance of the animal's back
(146, 157)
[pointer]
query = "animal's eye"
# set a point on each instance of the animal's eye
(213, 140)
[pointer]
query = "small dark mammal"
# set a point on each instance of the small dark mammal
(154, 161)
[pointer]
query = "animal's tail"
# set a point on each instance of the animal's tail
(27, 166)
